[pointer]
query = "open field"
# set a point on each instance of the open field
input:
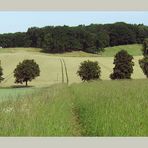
(134, 50)
(52, 108)
(99, 108)
(51, 68)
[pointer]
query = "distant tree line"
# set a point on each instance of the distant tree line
(92, 38)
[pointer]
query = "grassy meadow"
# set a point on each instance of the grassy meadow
(50, 107)
(44, 112)
(134, 50)
(99, 108)
(118, 108)
(50, 64)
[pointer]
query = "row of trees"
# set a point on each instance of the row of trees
(93, 38)
(88, 70)
(123, 68)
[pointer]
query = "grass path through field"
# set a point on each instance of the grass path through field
(62, 71)
(75, 112)
(66, 72)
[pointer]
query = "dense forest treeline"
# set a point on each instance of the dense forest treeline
(92, 38)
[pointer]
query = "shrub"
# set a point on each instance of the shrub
(144, 62)
(89, 70)
(145, 47)
(144, 65)
(26, 71)
(123, 66)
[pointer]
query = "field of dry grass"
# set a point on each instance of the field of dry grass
(50, 65)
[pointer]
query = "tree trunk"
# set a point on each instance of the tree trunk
(26, 83)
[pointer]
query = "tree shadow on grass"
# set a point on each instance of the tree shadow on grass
(16, 86)
(21, 86)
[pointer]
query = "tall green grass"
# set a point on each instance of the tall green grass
(112, 108)
(13, 93)
(99, 108)
(46, 112)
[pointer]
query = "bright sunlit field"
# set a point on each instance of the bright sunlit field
(50, 107)
(51, 68)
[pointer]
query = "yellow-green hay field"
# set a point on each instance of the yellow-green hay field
(50, 67)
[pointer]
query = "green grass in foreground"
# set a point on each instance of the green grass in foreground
(100, 108)
(13, 93)
(46, 112)
(112, 108)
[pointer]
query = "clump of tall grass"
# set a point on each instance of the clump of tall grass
(112, 108)
(46, 112)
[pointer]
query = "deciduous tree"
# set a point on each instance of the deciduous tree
(26, 71)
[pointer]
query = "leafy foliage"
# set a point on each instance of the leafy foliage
(102, 40)
(145, 47)
(92, 38)
(121, 34)
(144, 65)
(144, 62)
(89, 70)
(26, 71)
(123, 66)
